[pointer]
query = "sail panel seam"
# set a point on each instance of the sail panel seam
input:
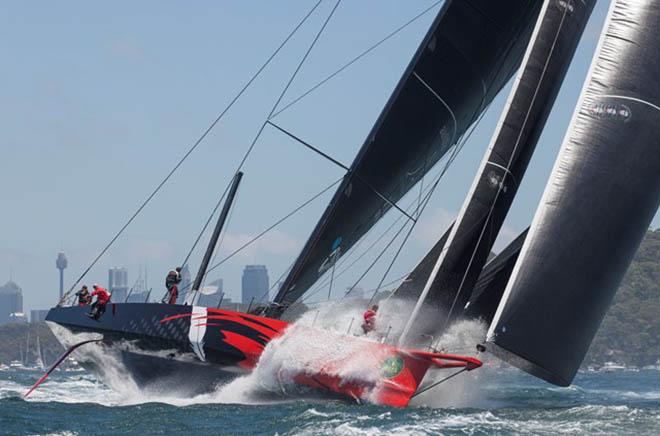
(436, 95)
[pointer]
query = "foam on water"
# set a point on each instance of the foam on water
(488, 400)
(306, 347)
(585, 410)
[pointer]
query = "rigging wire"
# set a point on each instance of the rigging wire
(431, 188)
(421, 391)
(321, 285)
(263, 126)
(358, 57)
(272, 226)
(464, 139)
(187, 154)
(345, 258)
(217, 206)
(420, 210)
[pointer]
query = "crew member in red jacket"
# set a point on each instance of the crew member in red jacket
(172, 284)
(102, 299)
(369, 323)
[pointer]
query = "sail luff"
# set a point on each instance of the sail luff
(599, 201)
(448, 83)
(548, 56)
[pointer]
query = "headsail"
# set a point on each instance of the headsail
(602, 195)
(469, 53)
(466, 251)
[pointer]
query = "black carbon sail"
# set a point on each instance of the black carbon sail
(418, 276)
(471, 50)
(602, 195)
(556, 36)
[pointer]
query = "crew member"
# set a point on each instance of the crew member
(172, 284)
(102, 298)
(369, 323)
(83, 296)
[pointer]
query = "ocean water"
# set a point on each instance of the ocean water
(497, 401)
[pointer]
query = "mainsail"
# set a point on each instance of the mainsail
(602, 195)
(471, 240)
(470, 52)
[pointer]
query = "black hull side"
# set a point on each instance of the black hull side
(155, 345)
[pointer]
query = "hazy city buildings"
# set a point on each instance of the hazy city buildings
(118, 284)
(11, 302)
(254, 284)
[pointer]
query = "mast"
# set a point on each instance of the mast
(601, 197)
(191, 299)
(456, 271)
(468, 54)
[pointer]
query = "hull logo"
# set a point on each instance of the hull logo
(392, 366)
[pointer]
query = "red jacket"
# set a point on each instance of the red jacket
(101, 295)
(369, 316)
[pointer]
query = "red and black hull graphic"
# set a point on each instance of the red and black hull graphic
(211, 345)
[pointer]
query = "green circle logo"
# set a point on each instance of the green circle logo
(391, 367)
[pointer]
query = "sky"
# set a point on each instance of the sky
(99, 101)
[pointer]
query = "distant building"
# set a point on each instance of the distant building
(118, 284)
(38, 315)
(254, 284)
(11, 301)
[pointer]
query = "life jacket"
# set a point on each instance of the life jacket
(101, 295)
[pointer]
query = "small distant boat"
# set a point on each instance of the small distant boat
(612, 366)
(16, 364)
